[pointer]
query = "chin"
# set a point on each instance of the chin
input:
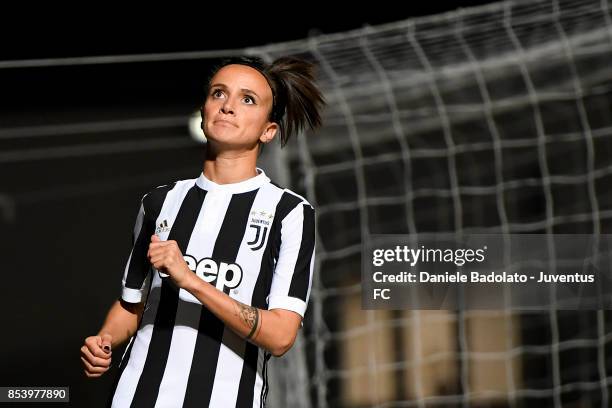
(223, 139)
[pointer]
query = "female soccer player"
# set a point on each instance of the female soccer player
(220, 271)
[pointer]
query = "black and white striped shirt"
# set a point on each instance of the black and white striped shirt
(255, 241)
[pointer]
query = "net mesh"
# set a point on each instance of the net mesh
(492, 119)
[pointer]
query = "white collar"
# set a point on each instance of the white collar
(240, 187)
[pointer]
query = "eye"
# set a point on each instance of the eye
(217, 93)
(249, 100)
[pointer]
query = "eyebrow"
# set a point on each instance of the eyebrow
(244, 90)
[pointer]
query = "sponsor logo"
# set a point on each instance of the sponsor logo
(220, 274)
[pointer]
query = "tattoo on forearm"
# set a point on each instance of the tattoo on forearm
(250, 316)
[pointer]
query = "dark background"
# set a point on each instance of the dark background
(68, 198)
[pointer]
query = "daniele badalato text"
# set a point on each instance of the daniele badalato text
(459, 257)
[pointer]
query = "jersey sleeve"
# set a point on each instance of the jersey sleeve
(292, 278)
(136, 273)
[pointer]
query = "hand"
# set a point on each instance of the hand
(96, 355)
(166, 257)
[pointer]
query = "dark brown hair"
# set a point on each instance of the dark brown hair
(296, 98)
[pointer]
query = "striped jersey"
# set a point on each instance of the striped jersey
(254, 241)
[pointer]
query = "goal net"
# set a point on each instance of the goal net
(493, 119)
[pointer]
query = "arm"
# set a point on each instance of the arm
(122, 321)
(274, 330)
(123, 317)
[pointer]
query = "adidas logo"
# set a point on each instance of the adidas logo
(162, 227)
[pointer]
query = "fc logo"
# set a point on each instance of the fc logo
(260, 221)
(260, 237)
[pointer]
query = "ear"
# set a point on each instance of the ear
(269, 132)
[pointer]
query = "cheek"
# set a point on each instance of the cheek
(208, 109)
(258, 118)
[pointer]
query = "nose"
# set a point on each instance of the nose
(227, 107)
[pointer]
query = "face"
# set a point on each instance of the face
(237, 108)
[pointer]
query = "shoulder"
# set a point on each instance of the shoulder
(289, 195)
(155, 197)
(291, 206)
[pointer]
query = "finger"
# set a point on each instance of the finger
(91, 375)
(107, 340)
(92, 368)
(155, 238)
(93, 343)
(96, 361)
(156, 251)
(153, 250)
(160, 254)
(96, 353)
(159, 266)
(156, 261)
(159, 262)
(160, 244)
(154, 254)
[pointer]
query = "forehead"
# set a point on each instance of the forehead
(243, 77)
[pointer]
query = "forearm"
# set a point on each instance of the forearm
(263, 328)
(122, 321)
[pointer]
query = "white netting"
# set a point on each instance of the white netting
(491, 119)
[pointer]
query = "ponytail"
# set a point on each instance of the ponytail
(299, 99)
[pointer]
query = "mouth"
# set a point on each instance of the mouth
(224, 122)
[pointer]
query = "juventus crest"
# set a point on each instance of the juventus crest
(260, 221)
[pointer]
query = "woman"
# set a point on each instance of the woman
(223, 262)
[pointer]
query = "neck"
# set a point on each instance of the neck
(229, 167)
